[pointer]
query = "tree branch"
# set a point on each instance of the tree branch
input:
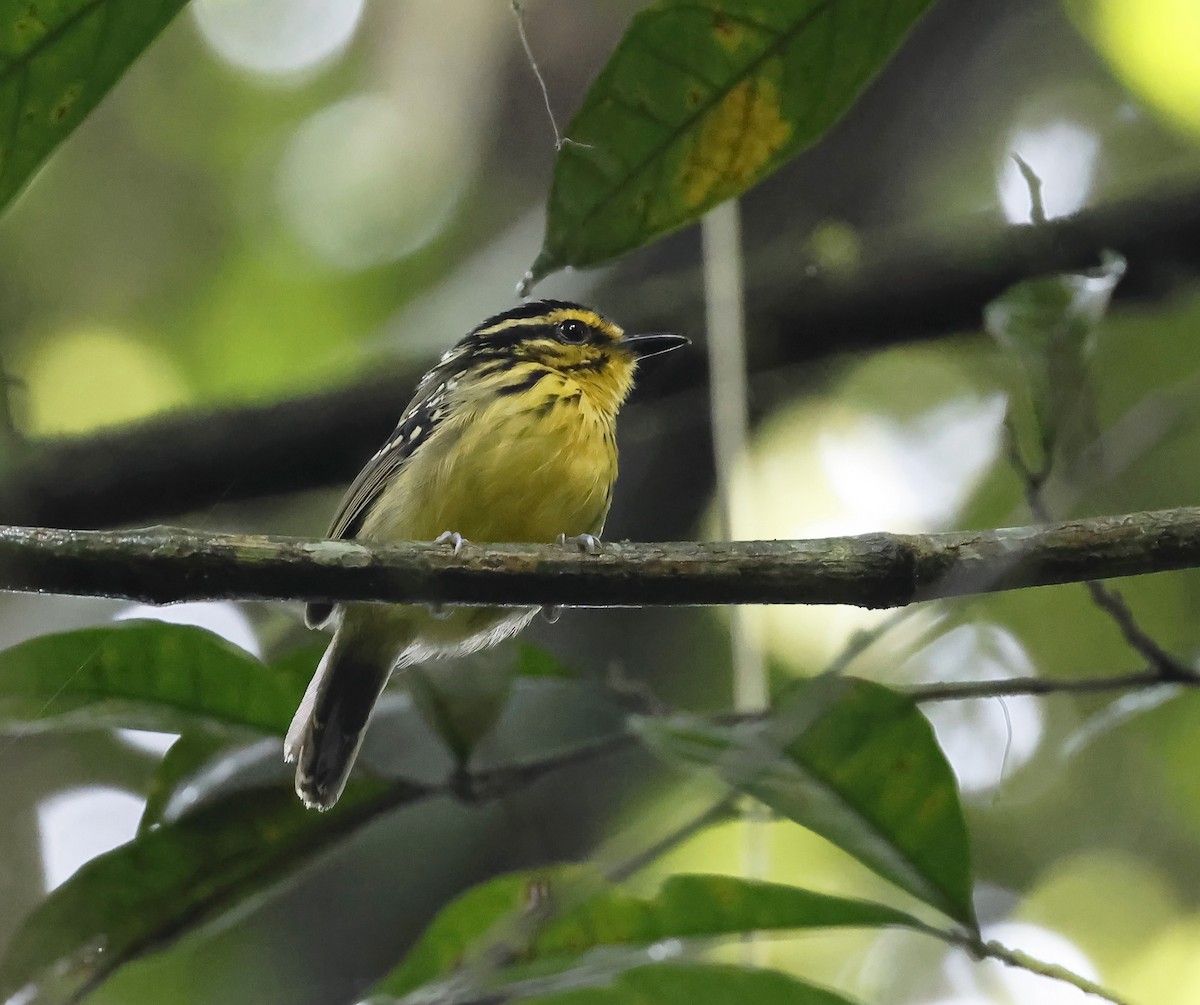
(164, 565)
(188, 460)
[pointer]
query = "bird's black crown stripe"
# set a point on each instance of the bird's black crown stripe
(533, 309)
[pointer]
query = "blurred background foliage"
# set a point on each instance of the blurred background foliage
(283, 196)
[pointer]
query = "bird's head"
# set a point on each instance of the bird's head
(572, 341)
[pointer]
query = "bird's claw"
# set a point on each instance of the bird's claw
(451, 537)
(440, 612)
(588, 543)
(551, 613)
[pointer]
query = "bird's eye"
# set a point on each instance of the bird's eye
(573, 331)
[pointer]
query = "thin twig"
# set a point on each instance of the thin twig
(720, 810)
(862, 640)
(1037, 208)
(1023, 961)
(1009, 686)
(496, 782)
(1105, 597)
(1141, 642)
(633, 694)
(560, 141)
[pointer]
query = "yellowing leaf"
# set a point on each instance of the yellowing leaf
(700, 101)
(735, 143)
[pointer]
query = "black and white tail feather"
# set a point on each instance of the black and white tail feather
(328, 728)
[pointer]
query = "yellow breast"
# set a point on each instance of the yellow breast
(507, 469)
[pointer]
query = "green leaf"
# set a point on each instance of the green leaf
(469, 918)
(168, 881)
(57, 60)
(145, 675)
(534, 661)
(593, 913)
(298, 665)
(856, 763)
(697, 984)
(692, 906)
(1047, 324)
(700, 101)
(186, 757)
(461, 700)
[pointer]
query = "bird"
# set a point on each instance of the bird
(511, 436)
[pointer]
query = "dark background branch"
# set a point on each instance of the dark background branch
(903, 289)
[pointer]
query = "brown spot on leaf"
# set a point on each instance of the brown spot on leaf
(29, 27)
(66, 102)
(727, 33)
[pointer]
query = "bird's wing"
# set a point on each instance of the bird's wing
(423, 415)
(376, 473)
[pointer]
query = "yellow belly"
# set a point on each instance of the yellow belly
(500, 475)
(494, 476)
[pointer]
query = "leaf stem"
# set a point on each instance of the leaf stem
(993, 950)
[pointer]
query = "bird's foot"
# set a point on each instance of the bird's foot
(456, 541)
(588, 543)
(451, 537)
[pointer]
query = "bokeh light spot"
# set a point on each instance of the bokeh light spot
(838, 465)
(95, 377)
(80, 824)
(277, 36)
(982, 739)
(1153, 45)
(1167, 972)
(1063, 156)
(217, 616)
(368, 181)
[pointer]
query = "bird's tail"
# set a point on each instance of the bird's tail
(328, 728)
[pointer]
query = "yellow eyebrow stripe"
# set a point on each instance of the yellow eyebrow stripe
(590, 318)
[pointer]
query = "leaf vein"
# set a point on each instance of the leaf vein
(784, 37)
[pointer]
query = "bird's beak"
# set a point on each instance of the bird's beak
(653, 344)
